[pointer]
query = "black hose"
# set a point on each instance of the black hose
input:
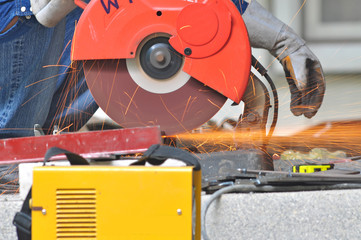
(263, 71)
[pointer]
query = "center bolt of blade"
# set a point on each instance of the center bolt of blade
(160, 56)
(159, 60)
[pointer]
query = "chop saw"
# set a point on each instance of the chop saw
(170, 63)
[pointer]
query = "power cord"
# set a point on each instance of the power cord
(263, 71)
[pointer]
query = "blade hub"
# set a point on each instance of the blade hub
(157, 67)
(159, 56)
(159, 60)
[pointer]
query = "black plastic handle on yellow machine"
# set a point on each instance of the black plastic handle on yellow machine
(157, 154)
(22, 219)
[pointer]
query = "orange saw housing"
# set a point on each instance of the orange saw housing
(210, 34)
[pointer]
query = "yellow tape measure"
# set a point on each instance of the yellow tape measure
(310, 168)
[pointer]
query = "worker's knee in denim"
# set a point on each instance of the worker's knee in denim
(29, 55)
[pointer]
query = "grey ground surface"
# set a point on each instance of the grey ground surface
(9, 205)
(296, 215)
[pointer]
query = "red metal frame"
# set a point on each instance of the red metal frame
(88, 144)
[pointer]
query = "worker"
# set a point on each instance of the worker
(39, 86)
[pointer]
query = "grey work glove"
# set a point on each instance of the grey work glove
(51, 12)
(302, 68)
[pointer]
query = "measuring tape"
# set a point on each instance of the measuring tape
(310, 168)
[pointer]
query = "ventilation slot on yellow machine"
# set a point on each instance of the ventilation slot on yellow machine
(76, 214)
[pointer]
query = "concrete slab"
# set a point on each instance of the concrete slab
(9, 205)
(296, 215)
(291, 215)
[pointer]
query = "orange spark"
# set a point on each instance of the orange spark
(131, 100)
(186, 26)
(111, 89)
(63, 129)
(186, 107)
(42, 80)
(165, 106)
(224, 78)
(294, 16)
(32, 97)
(214, 104)
(61, 55)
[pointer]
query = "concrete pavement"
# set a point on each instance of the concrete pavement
(293, 215)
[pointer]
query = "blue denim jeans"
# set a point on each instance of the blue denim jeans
(38, 84)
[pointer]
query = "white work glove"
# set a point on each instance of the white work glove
(302, 68)
(51, 12)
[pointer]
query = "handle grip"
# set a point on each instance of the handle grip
(80, 3)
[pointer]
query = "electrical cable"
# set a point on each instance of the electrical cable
(275, 109)
(263, 71)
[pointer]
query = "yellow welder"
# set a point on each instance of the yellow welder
(113, 202)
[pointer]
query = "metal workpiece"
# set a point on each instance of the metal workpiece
(96, 144)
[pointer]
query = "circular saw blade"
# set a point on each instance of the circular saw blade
(129, 105)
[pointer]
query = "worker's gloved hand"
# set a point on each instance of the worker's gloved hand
(302, 68)
(51, 12)
(305, 78)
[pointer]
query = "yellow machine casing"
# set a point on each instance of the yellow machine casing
(109, 202)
